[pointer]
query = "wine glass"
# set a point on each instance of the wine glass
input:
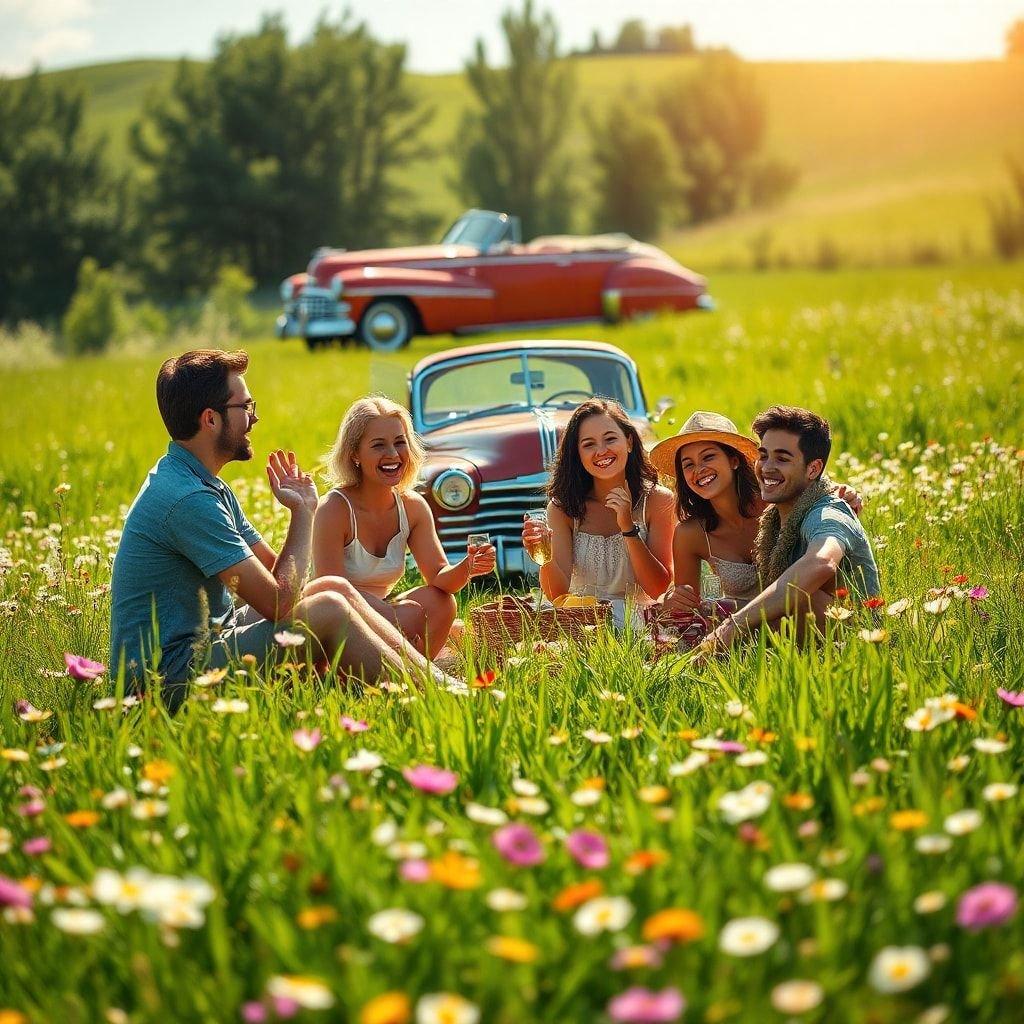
(539, 550)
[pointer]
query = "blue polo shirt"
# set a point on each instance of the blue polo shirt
(832, 517)
(184, 526)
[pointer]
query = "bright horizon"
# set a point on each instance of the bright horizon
(440, 36)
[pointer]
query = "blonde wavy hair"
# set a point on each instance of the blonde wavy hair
(340, 460)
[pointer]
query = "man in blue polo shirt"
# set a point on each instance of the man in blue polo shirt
(187, 550)
(809, 541)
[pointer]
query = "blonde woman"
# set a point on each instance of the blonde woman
(365, 524)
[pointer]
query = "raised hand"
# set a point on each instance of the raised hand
(292, 488)
(621, 504)
(481, 559)
(846, 493)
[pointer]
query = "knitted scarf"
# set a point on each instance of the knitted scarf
(775, 543)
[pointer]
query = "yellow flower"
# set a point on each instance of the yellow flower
(676, 924)
(388, 1008)
(805, 743)
(507, 947)
(12, 1017)
(654, 794)
(455, 871)
(158, 772)
(315, 917)
(13, 754)
(687, 735)
(905, 821)
(871, 805)
(82, 819)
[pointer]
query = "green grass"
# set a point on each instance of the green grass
(895, 158)
(919, 371)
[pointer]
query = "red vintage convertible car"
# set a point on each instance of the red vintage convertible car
(480, 277)
(491, 416)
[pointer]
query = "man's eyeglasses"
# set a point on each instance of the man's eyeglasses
(249, 407)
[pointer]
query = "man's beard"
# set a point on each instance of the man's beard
(235, 447)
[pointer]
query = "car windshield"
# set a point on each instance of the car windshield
(476, 229)
(455, 391)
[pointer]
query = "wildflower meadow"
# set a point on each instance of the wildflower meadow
(588, 833)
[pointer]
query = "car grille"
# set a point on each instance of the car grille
(314, 307)
(502, 506)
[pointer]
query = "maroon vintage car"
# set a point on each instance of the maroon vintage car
(481, 277)
(491, 417)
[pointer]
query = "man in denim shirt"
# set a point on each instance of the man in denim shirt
(187, 549)
(809, 541)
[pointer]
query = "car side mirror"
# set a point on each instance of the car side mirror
(661, 407)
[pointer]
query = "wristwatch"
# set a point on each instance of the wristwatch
(635, 532)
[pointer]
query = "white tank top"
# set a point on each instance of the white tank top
(372, 573)
(601, 565)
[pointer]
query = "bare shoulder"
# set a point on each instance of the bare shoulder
(689, 536)
(332, 505)
(661, 500)
(416, 508)
(556, 515)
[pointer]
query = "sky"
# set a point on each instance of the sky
(441, 33)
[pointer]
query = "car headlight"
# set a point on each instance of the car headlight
(287, 290)
(453, 489)
(337, 287)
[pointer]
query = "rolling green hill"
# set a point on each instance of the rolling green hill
(897, 159)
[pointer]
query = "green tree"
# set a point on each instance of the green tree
(1015, 39)
(272, 150)
(717, 117)
(676, 39)
(97, 315)
(512, 149)
(1006, 214)
(638, 178)
(632, 37)
(59, 201)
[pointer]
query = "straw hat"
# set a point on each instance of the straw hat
(701, 426)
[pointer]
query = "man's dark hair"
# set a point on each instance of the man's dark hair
(813, 431)
(194, 381)
(571, 484)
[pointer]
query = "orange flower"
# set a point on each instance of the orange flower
(871, 805)
(594, 782)
(485, 680)
(82, 819)
(654, 794)
(12, 1017)
(905, 821)
(388, 1008)
(573, 896)
(798, 801)
(31, 883)
(965, 711)
(688, 735)
(643, 860)
(759, 735)
(507, 947)
(455, 871)
(158, 772)
(315, 917)
(676, 924)
(842, 592)
(873, 602)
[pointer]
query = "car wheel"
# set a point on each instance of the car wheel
(387, 325)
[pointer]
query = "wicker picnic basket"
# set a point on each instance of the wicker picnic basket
(498, 626)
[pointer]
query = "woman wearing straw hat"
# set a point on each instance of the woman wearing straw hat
(718, 501)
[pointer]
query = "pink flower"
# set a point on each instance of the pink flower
(978, 593)
(307, 739)
(731, 747)
(350, 724)
(518, 844)
(588, 849)
(1015, 700)
(986, 905)
(30, 791)
(285, 1007)
(36, 846)
(14, 895)
(32, 808)
(415, 871)
(430, 779)
(83, 668)
(645, 1006)
(254, 1013)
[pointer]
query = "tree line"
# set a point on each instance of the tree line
(271, 149)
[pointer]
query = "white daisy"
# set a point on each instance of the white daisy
(797, 996)
(603, 914)
(309, 993)
(899, 968)
(78, 920)
(789, 877)
(484, 815)
(505, 900)
(363, 761)
(930, 902)
(996, 791)
(744, 804)
(688, 765)
(748, 936)
(932, 844)
(395, 925)
(962, 822)
(233, 706)
(446, 1008)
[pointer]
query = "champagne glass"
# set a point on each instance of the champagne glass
(475, 541)
(540, 550)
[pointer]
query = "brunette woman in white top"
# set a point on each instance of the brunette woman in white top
(610, 524)
(368, 520)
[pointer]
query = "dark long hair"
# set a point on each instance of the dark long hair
(571, 484)
(693, 506)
